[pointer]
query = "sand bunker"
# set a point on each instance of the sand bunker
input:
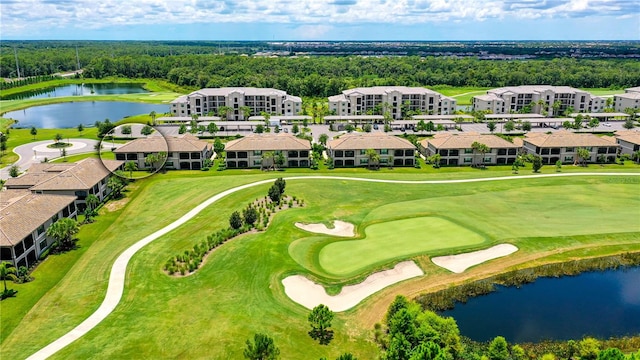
(340, 228)
(461, 262)
(309, 294)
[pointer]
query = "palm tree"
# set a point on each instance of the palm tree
(246, 112)
(115, 185)
(92, 201)
(130, 166)
(373, 158)
(583, 155)
(7, 271)
(481, 148)
(62, 231)
(268, 160)
(224, 111)
(153, 117)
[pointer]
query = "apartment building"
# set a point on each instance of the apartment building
(262, 150)
(457, 149)
(25, 217)
(540, 99)
(236, 103)
(564, 145)
(629, 141)
(81, 179)
(184, 152)
(630, 99)
(397, 100)
(351, 150)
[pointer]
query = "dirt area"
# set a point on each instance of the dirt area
(115, 205)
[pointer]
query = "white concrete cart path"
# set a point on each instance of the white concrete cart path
(115, 288)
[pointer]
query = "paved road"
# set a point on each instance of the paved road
(118, 270)
(37, 151)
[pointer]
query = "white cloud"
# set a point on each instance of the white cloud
(19, 16)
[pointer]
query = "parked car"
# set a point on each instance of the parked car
(607, 124)
(286, 130)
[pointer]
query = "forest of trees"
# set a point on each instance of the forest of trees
(200, 66)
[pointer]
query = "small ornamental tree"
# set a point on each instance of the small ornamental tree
(491, 125)
(146, 130)
(182, 129)
(320, 320)
(218, 146)
(80, 128)
(275, 194)
(281, 184)
(33, 132)
(295, 129)
(235, 221)
(628, 124)
(250, 215)
(126, 130)
(14, 171)
(559, 166)
(526, 126)
(262, 348)
(536, 163)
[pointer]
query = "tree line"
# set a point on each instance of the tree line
(326, 76)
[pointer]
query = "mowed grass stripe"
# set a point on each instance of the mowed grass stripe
(395, 240)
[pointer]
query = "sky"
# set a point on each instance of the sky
(304, 20)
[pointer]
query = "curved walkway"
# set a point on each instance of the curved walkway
(35, 152)
(115, 288)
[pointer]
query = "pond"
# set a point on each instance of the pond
(600, 304)
(68, 115)
(79, 90)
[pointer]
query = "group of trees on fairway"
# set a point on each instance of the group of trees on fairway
(255, 215)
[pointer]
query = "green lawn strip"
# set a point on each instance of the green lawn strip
(604, 91)
(396, 239)
(237, 292)
(86, 281)
(5, 124)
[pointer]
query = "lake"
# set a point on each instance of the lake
(68, 115)
(601, 304)
(79, 90)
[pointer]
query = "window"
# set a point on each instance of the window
(40, 229)
(384, 151)
(568, 158)
(55, 218)
(364, 161)
(486, 160)
(468, 160)
(468, 151)
(363, 151)
(257, 162)
(43, 244)
(569, 149)
(257, 152)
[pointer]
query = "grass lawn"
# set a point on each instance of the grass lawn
(393, 240)
(238, 291)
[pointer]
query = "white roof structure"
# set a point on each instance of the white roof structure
(528, 89)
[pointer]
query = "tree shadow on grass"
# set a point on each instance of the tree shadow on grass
(323, 337)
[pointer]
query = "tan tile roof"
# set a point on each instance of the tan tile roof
(22, 212)
(629, 136)
(84, 175)
(464, 141)
(37, 173)
(182, 143)
(363, 141)
(266, 142)
(564, 139)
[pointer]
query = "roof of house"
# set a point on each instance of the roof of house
(529, 89)
(268, 142)
(633, 89)
(37, 173)
(629, 95)
(629, 136)
(488, 97)
(22, 212)
(246, 91)
(464, 141)
(564, 139)
(180, 143)
(361, 141)
(84, 175)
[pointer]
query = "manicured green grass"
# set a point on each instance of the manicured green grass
(237, 292)
(604, 91)
(393, 240)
